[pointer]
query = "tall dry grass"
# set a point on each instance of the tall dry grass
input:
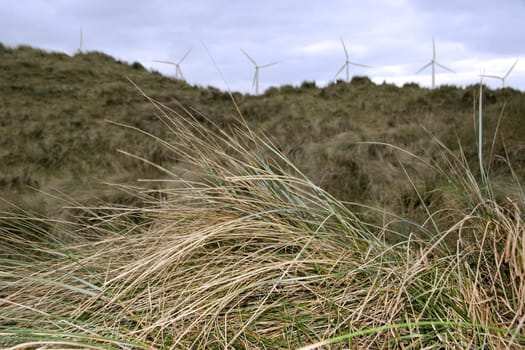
(243, 251)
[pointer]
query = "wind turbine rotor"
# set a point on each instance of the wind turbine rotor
(502, 78)
(178, 71)
(347, 63)
(433, 63)
(496, 77)
(255, 83)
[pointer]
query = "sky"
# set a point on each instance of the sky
(393, 37)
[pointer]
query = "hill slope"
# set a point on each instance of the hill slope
(54, 112)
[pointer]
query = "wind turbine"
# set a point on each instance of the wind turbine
(348, 63)
(434, 63)
(502, 78)
(257, 67)
(178, 71)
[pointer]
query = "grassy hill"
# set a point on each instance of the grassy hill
(55, 134)
(351, 215)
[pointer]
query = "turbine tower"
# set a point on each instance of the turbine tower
(348, 63)
(434, 63)
(502, 78)
(255, 83)
(81, 39)
(178, 71)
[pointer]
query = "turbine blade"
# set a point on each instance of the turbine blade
(249, 57)
(269, 64)
(433, 48)
(166, 62)
(359, 64)
(340, 70)
(511, 68)
(491, 76)
(425, 67)
(184, 57)
(446, 68)
(344, 47)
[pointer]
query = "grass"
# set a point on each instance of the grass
(240, 249)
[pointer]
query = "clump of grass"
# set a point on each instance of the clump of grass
(244, 251)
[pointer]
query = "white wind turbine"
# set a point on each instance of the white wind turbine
(178, 71)
(257, 67)
(502, 78)
(434, 63)
(348, 63)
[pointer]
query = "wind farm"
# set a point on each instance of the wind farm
(178, 70)
(345, 71)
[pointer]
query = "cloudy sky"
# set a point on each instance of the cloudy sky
(394, 37)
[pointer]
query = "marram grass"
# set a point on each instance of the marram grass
(242, 251)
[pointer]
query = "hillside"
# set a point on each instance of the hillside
(56, 135)
(361, 220)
